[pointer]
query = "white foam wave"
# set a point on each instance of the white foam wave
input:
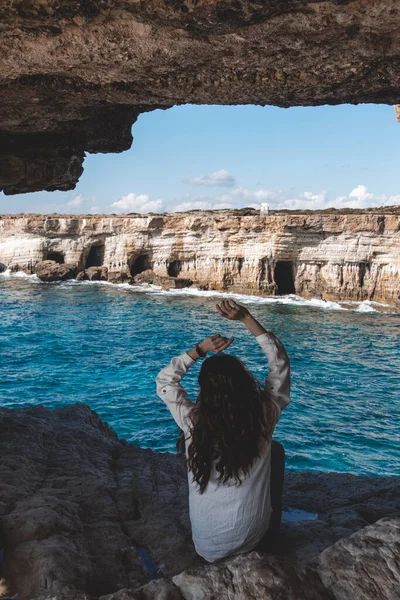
(366, 306)
(291, 299)
(74, 283)
(8, 274)
(146, 288)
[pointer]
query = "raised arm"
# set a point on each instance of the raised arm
(168, 381)
(170, 390)
(278, 381)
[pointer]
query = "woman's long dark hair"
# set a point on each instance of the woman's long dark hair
(229, 423)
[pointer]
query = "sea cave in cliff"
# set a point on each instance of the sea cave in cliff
(55, 256)
(95, 257)
(140, 264)
(284, 277)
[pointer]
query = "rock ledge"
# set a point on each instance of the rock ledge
(86, 516)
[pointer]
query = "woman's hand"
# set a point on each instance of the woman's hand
(215, 343)
(229, 309)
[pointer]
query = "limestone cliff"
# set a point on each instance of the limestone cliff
(330, 254)
(74, 75)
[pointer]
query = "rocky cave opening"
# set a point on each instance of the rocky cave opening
(284, 277)
(140, 264)
(56, 108)
(58, 257)
(174, 268)
(363, 268)
(95, 258)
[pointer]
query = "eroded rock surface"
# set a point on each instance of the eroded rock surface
(77, 504)
(366, 565)
(50, 270)
(331, 255)
(85, 516)
(252, 576)
(74, 76)
(165, 282)
(93, 274)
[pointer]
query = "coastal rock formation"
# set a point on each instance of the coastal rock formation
(167, 283)
(252, 577)
(365, 565)
(86, 516)
(50, 270)
(93, 274)
(353, 255)
(83, 512)
(74, 76)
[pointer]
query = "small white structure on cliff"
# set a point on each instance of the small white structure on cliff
(264, 210)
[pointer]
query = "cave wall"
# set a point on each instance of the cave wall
(337, 256)
(74, 76)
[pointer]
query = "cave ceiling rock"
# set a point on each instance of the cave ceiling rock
(75, 75)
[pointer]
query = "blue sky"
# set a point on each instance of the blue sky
(235, 156)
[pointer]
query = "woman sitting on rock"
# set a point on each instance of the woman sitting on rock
(235, 471)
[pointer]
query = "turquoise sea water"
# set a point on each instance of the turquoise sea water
(104, 344)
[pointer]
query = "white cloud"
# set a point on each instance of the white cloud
(306, 201)
(360, 197)
(192, 205)
(239, 197)
(139, 203)
(219, 178)
(242, 197)
(76, 202)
